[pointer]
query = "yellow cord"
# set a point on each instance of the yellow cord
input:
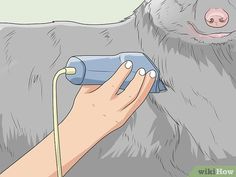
(69, 71)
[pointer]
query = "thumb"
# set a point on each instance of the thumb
(88, 88)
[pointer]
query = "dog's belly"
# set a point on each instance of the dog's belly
(201, 99)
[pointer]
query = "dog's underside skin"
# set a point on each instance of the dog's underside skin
(193, 123)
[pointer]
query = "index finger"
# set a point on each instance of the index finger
(113, 84)
(146, 87)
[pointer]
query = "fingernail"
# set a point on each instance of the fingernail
(142, 72)
(152, 74)
(128, 64)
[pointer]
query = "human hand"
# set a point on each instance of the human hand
(101, 106)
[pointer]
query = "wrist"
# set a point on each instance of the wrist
(77, 137)
(84, 129)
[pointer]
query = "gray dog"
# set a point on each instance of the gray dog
(192, 42)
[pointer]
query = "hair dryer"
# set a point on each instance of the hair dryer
(98, 69)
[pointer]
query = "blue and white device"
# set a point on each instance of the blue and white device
(98, 69)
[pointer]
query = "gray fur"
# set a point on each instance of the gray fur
(193, 123)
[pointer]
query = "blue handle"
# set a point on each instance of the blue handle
(98, 69)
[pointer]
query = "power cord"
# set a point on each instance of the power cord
(68, 71)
